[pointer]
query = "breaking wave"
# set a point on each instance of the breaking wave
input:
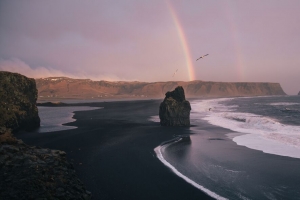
(261, 132)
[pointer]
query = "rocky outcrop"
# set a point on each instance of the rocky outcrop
(299, 93)
(175, 110)
(63, 87)
(28, 172)
(18, 95)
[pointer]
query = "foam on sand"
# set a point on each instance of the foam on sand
(255, 141)
(166, 163)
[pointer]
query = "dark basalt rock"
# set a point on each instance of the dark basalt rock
(28, 172)
(18, 95)
(175, 110)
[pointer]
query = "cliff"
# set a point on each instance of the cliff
(18, 95)
(62, 87)
(28, 172)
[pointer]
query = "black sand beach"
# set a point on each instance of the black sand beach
(112, 152)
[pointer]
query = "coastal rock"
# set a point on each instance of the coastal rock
(18, 95)
(28, 172)
(299, 93)
(175, 110)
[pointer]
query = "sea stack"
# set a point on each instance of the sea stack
(175, 110)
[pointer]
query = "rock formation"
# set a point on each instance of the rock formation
(175, 110)
(63, 87)
(18, 95)
(28, 172)
(299, 93)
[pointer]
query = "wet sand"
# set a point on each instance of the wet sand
(113, 151)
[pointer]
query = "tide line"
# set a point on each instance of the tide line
(193, 183)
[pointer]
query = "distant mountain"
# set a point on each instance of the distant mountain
(63, 87)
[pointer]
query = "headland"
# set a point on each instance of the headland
(68, 88)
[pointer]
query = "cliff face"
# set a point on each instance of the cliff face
(61, 87)
(18, 95)
(28, 172)
(216, 89)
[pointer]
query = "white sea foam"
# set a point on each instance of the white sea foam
(154, 118)
(262, 133)
(283, 104)
(254, 141)
(207, 191)
(200, 106)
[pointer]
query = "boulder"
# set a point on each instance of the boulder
(175, 110)
(18, 95)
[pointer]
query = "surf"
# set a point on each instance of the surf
(260, 132)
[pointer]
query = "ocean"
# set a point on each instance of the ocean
(240, 148)
(54, 118)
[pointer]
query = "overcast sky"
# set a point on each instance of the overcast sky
(249, 41)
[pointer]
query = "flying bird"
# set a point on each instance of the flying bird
(175, 72)
(202, 56)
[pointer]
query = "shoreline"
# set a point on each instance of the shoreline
(179, 174)
(216, 161)
(112, 152)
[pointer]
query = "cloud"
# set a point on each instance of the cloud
(18, 66)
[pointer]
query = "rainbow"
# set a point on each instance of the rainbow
(239, 59)
(183, 41)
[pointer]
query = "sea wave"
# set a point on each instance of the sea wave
(265, 133)
(284, 104)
